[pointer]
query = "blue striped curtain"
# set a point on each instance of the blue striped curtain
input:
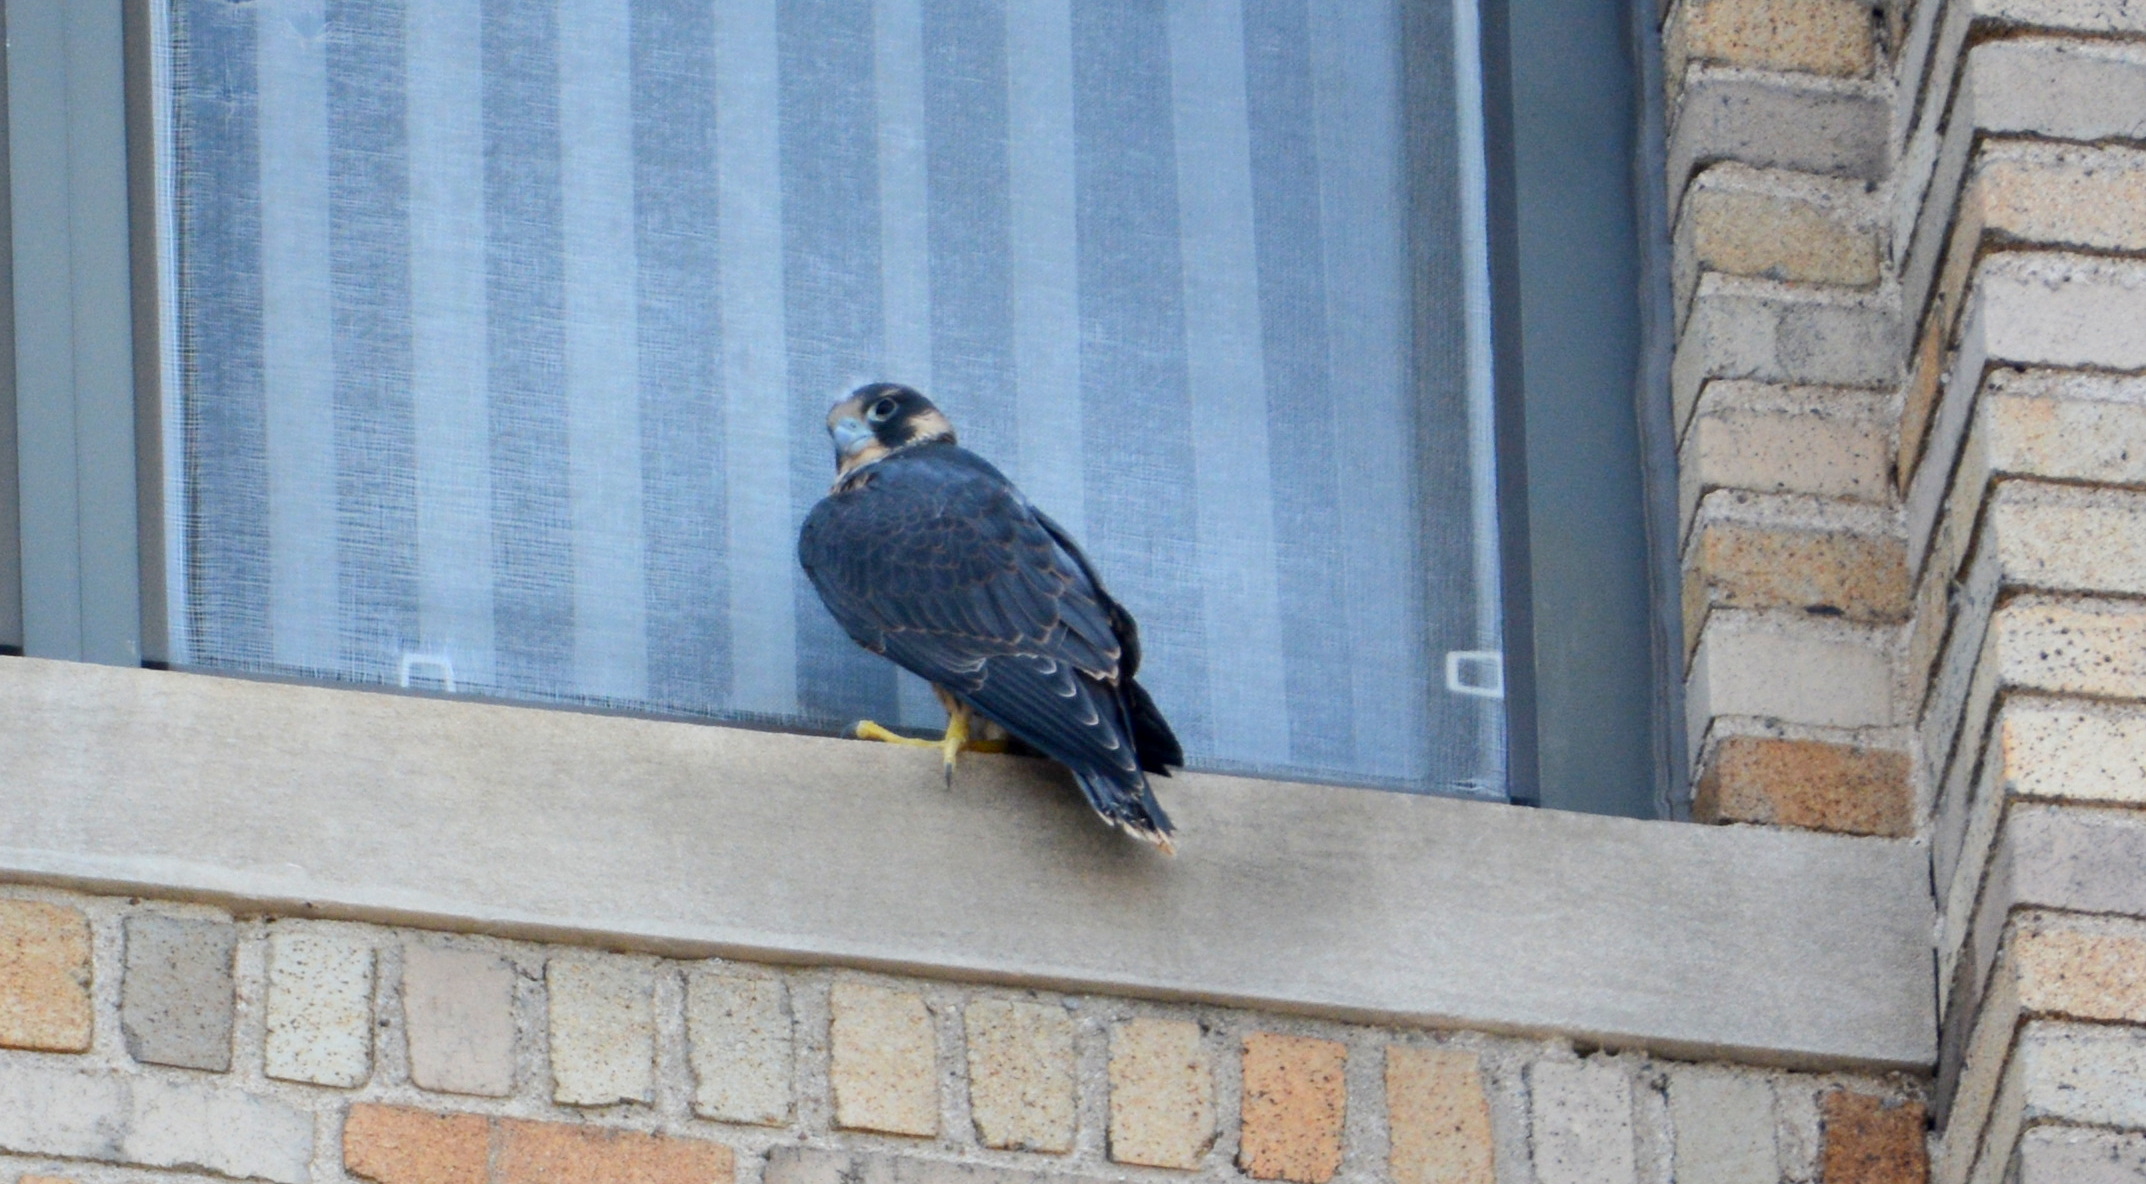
(506, 329)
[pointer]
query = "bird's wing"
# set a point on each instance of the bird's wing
(940, 565)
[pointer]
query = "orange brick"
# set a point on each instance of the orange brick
(560, 1153)
(1843, 788)
(1294, 1105)
(1438, 1117)
(402, 1145)
(1871, 1141)
(44, 977)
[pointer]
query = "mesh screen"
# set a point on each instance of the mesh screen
(506, 329)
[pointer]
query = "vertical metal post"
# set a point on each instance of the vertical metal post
(10, 508)
(74, 334)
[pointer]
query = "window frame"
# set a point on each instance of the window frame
(1593, 712)
(1596, 929)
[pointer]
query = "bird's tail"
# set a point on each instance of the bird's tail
(1125, 801)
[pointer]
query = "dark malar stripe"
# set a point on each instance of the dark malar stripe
(680, 325)
(219, 264)
(831, 298)
(369, 289)
(533, 606)
(1141, 508)
(965, 102)
(1295, 345)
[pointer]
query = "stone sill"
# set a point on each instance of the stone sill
(1764, 946)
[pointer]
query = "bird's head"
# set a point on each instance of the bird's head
(881, 418)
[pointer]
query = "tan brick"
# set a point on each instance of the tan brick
(1742, 221)
(1804, 36)
(2068, 538)
(44, 977)
(1846, 788)
(1437, 1118)
(1760, 551)
(401, 1145)
(2085, 647)
(884, 1066)
(2088, 969)
(1162, 1094)
(560, 1153)
(1021, 1075)
(2035, 192)
(1872, 1140)
(319, 1026)
(603, 1031)
(1926, 373)
(2088, 753)
(1825, 441)
(741, 1047)
(1295, 1102)
(2067, 425)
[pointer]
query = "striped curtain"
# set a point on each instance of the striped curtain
(505, 330)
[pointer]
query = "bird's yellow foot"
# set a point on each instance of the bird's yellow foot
(867, 730)
(950, 745)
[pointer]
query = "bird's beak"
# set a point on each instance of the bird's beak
(851, 436)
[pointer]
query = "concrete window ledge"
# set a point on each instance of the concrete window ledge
(1767, 946)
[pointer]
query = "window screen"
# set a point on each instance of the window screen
(505, 330)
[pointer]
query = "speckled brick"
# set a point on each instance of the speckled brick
(603, 1031)
(1162, 1094)
(1810, 784)
(558, 1153)
(458, 1017)
(1295, 1107)
(1753, 550)
(1437, 1118)
(741, 1047)
(176, 996)
(1580, 1122)
(884, 1062)
(1807, 36)
(1021, 1075)
(320, 1009)
(402, 1145)
(44, 977)
(2091, 968)
(1871, 1140)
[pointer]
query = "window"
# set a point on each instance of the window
(494, 337)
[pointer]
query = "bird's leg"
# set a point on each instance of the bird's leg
(950, 744)
(957, 736)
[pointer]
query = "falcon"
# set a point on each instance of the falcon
(929, 556)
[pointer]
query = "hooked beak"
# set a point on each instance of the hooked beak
(851, 436)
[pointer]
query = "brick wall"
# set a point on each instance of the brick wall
(1912, 312)
(145, 1040)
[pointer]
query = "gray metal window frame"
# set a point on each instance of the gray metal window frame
(1587, 462)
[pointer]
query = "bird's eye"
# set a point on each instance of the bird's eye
(882, 410)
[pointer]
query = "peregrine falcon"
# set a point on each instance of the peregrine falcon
(928, 555)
